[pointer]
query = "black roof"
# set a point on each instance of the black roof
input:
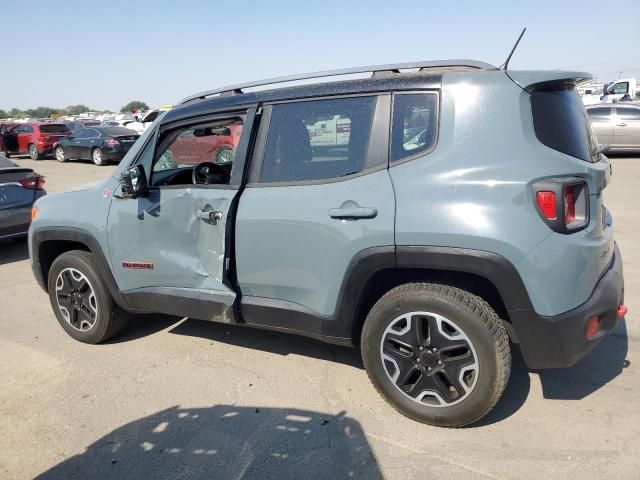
(431, 79)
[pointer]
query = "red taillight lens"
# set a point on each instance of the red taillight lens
(35, 183)
(569, 205)
(547, 204)
(111, 142)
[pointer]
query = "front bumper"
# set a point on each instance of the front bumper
(560, 341)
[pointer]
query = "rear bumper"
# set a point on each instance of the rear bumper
(560, 341)
(112, 154)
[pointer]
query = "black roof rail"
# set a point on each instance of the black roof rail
(374, 69)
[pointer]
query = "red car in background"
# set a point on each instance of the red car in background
(36, 138)
(213, 144)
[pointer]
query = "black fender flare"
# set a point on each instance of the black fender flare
(41, 235)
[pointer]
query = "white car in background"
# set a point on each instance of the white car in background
(147, 119)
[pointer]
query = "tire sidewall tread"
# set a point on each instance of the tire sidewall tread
(471, 313)
(111, 318)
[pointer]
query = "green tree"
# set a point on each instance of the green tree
(3, 114)
(134, 105)
(76, 109)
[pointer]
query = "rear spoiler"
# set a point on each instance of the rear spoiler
(529, 80)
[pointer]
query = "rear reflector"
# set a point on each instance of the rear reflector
(569, 205)
(35, 183)
(593, 325)
(622, 311)
(547, 204)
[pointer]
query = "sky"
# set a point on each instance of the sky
(106, 53)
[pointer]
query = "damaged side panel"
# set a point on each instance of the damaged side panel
(180, 250)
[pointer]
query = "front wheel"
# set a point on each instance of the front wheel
(438, 354)
(59, 154)
(33, 152)
(96, 156)
(81, 300)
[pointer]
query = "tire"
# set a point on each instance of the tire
(452, 376)
(224, 156)
(74, 277)
(58, 153)
(33, 152)
(96, 156)
(7, 154)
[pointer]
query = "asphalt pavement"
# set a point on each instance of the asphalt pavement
(181, 398)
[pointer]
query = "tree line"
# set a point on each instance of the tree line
(47, 112)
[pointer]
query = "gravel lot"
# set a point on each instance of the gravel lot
(189, 399)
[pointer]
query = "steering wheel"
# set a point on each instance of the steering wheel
(210, 173)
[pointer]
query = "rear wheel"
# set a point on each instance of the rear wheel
(438, 354)
(81, 300)
(33, 152)
(59, 154)
(96, 156)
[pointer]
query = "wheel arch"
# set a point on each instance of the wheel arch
(49, 243)
(488, 275)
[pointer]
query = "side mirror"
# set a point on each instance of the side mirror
(134, 182)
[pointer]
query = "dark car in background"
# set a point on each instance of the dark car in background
(20, 187)
(99, 144)
(73, 126)
(35, 138)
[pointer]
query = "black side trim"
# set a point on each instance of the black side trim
(183, 302)
(45, 234)
(493, 267)
(281, 314)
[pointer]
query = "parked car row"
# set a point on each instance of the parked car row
(71, 140)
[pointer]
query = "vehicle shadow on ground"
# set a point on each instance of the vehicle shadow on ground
(11, 251)
(143, 325)
(225, 441)
(605, 362)
(272, 342)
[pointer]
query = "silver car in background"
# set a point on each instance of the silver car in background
(617, 125)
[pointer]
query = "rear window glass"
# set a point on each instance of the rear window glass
(414, 125)
(628, 113)
(53, 128)
(561, 123)
(317, 140)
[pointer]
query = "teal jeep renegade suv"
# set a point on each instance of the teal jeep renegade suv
(432, 214)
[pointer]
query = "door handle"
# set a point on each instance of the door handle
(353, 212)
(621, 124)
(209, 215)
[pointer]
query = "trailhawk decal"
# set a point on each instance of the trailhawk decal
(138, 265)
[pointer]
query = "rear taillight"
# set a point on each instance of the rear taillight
(547, 204)
(111, 142)
(563, 203)
(35, 183)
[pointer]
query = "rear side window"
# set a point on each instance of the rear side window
(599, 114)
(54, 128)
(414, 124)
(316, 140)
(561, 123)
(628, 113)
